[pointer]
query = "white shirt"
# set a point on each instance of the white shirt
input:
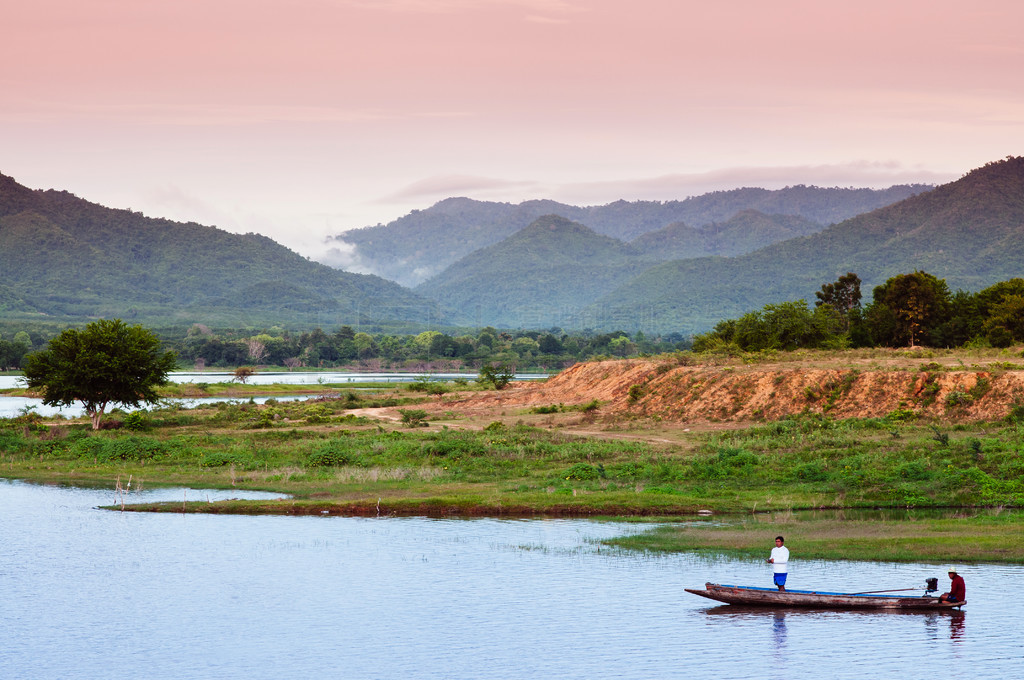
(780, 556)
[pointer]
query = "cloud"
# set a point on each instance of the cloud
(680, 186)
(447, 186)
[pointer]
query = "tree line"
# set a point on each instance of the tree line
(908, 310)
(202, 347)
(526, 350)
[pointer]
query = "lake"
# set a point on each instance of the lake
(11, 407)
(90, 593)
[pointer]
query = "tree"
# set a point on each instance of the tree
(257, 349)
(1005, 324)
(243, 373)
(499, 375)
(843, 296)
(107, 362)
(918, 303)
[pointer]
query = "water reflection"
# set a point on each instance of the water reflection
(957, 626)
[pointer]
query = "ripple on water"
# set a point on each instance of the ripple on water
(93, 594)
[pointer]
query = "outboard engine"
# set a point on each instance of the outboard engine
(931, 585)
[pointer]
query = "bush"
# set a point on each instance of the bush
(414, 417)
(331, 453)
(499, 376)
(450, 447)
(220, 459)
(581, 472)
(132, 448)
(316, 415)
(811, 472)
(137, 421)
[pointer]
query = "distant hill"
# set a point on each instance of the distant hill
(423, 243)
(534, 277)
(744, 232)
(969, 232)
(64, 258)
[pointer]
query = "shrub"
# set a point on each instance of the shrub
(414, 417)
(813, 471)
(262, 419)
(499, 376)
(137, 421)
(331, 453)
(315, 415)
(581, 472)
(220, 459)
(132, 448)
(451, 447)
(420, 384)
(958, 398)
(627, 470)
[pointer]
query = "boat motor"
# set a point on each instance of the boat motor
(931, 585)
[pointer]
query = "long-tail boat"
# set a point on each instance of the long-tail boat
(812, 599)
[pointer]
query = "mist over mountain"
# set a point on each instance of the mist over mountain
(423, 243)
(64, 258)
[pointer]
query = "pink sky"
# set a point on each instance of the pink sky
(304, 118)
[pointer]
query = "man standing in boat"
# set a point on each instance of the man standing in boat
(957, 588)
(779, 560)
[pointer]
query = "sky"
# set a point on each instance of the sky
(300, 119)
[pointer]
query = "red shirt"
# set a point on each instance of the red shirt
(958, 589)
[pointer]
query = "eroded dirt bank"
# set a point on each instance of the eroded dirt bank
(681, 393)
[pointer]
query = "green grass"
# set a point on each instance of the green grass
(957, 538)
(334, 462)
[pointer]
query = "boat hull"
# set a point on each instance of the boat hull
(770, 597)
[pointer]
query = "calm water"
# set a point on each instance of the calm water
(97, 594)
(14, 406)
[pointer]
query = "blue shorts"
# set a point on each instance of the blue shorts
(780, 579)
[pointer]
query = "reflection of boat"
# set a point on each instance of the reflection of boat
(770, 597)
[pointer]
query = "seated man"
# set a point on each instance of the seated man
(957, 588)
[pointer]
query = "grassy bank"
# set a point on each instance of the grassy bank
(333, 460)
(952, 537)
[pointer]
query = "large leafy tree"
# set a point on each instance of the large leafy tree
(107, 362)
(908, 307)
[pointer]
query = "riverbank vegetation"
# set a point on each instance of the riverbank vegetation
(945, 535)
(432, 449)
(328, 448)
(915, 309)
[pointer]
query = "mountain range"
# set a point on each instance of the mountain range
(64, 258)
(658, 267)
(969, 232)
(424, 243)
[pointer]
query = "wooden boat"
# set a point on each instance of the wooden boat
(771, 597)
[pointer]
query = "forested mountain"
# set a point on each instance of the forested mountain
(969, 232)
(423, 243)
(62, 257)
(535, 277)
(744, 232)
